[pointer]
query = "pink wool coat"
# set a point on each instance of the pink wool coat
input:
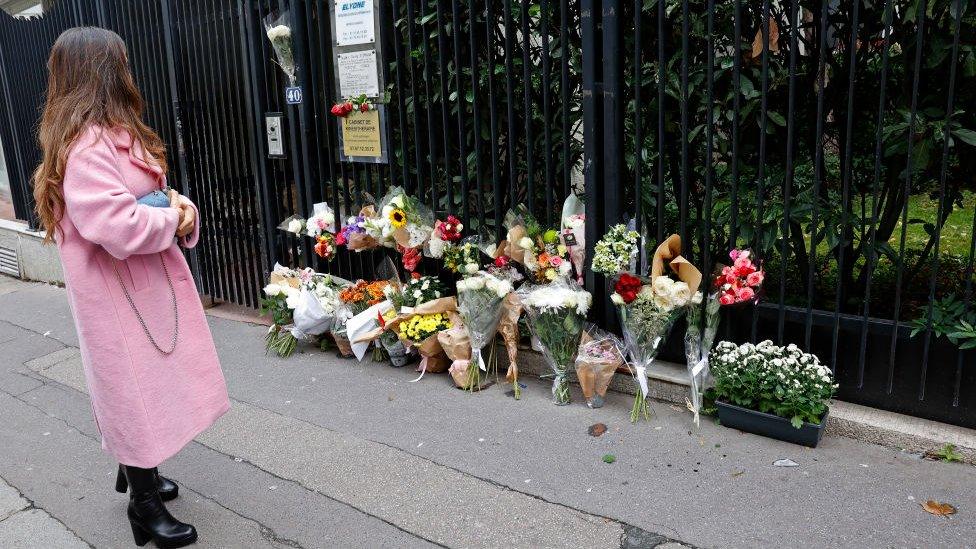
(147, 405)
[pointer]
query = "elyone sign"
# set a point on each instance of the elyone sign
(354, 22)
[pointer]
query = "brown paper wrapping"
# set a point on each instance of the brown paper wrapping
(508, 328)
(278, 278)
(670, 250)
(595, 376)
(362, 241)
(455, 343)
(510, 246)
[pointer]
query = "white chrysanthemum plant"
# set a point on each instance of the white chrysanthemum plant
(783, 381)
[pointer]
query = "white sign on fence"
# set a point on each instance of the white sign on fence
(358, 74)
(354, 22)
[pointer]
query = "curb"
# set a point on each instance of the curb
(669, 383)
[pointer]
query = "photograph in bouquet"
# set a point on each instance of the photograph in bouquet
(572, 233)
(555, 315)
(480, 299)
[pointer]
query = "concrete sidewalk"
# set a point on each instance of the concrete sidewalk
(324, 452)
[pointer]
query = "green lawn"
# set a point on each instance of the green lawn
(957, 233)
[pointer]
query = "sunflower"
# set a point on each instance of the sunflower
(398, 218)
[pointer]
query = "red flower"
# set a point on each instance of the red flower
(415, 276)
(627, 286)
(726, 299)
(411, 258)
(363, 107)
(450, 229)
(502, 261)
(340, 238)
(380, 319)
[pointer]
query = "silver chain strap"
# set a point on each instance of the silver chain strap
(176, 314)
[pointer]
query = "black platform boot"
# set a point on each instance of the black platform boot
(168, 490)
(148, 516)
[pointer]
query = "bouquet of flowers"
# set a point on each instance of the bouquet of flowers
(403, 223)
(282, 296)
(736, 284)
(648, 309)
(354, 234)
(279, 33)
(421, 331)
(540, 251)
(355, 299)
(417, 290)
(293, 224)
(617, 251)
(321, 222)
(318, 300)
(573, 233)
(359, 103)
(446, 233)
(396, 350)
(556, 313)
(598, 358)
(480, 299)
(462, 257)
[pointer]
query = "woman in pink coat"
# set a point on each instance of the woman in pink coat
(149, 359)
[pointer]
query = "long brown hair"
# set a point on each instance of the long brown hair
(89, 83)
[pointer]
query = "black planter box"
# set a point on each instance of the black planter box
(768, 425)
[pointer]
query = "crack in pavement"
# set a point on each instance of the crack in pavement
(266, 532)
(32, 506)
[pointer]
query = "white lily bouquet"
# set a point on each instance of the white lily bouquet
(480, 299)
(649, 308)
(556, 314)
(279, 33)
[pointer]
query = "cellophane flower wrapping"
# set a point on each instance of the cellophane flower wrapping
(573, 233)
(732, 285)
(403, 221)
(321, 221)
(279, 33)
(480, 300)
(600, 354)
(293, 224)
(648, 310)
(698, 343)
(315, 312)
(556, 313)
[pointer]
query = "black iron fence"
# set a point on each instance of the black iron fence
(835, 139)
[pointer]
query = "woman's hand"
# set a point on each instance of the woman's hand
(188, 216)
(188, 220)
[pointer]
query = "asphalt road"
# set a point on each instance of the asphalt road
(325, 452)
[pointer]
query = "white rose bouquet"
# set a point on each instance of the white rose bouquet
(279, 33)
(480, 298)
(556, 313)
